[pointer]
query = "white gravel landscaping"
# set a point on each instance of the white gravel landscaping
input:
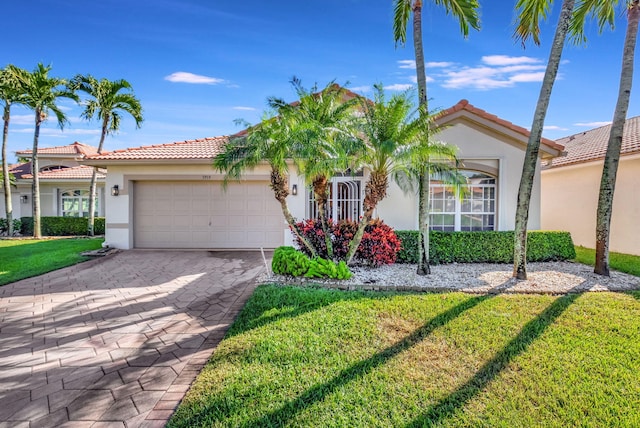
(544, 278)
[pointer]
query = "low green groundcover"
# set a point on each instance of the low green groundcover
(325, 358)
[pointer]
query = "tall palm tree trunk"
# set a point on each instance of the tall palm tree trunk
(35, 187)
(612, 157)
(424, 182)
(533, 146)
(94, 182)
(5, 171)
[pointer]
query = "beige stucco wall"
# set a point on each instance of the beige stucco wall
(479, 149)
(49, 198)
(570, 200)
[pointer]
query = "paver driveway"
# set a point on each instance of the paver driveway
(116, 341)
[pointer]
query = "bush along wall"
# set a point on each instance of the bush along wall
(62, 226)
(485, 247)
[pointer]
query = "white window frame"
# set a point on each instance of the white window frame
(452, 200)
(79, 196)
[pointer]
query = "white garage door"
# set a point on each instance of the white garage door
(203, 215)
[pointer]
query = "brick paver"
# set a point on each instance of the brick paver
(116, 341)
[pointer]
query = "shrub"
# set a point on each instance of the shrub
(62, 226)
(4, 226)
(379, 244)
(485, 247)
(289, 261)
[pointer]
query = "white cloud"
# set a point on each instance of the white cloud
(407, 63)
(244, 108)
(184, 77)
(364, 88)
(527, 77)
(398, 87)
(554, 128)
(592, 124)
(508, 60)
(23, 119)
(439, 64)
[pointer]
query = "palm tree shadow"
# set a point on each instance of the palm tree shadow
(291, 302)
(320, 391)
(452, 403)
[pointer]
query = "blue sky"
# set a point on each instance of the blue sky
(197, 65)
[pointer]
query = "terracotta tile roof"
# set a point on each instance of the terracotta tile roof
(203, 148)
(592, 145)
(23, 171)
(464, 105)
(70, 149)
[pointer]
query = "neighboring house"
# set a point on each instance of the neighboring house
(570, 187)
(64, 183)
(169, 196)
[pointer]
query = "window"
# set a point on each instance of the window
(475, 211)
(53, 168)
(345, 200)
(75, 203)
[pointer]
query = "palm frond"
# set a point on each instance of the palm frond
(465, 11)
(529, 13)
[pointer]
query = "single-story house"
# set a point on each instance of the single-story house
(169, 195)
(64, 182)
(570, 187)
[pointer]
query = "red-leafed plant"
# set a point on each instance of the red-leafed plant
(379, 244)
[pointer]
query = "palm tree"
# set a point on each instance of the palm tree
(323, 132)
(571, 22)
(528, 25)
(41, 92)
(394, 144)
(10, 93)
(107, 102)
(466, 12)
(267, 142)
(612, 157)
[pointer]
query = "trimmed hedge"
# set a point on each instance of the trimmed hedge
(62, 226)
(485, 247)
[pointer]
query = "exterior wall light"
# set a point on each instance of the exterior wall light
(294, 189)
(115, 190)
(24, 199)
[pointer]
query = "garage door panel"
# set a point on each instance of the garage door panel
(202, 215)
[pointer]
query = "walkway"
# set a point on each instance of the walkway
(116, 342)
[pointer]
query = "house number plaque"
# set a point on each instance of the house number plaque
(206, 177)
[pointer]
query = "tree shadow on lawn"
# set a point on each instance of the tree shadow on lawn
(455, 401)
(320, 391)
(267, 306)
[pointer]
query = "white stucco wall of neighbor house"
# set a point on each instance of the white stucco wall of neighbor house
(482, 150)
(120, 209)
(570, 201)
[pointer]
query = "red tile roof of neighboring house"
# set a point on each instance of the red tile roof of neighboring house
(592, 145)
(70, 149)
(464, 105)
(203, 148)
(23, 171)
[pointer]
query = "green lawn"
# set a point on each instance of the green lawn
(618, 261)
(21, 259)
(316, 357)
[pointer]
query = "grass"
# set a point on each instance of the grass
(618, 261)
(25, 258)
(327, 358)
